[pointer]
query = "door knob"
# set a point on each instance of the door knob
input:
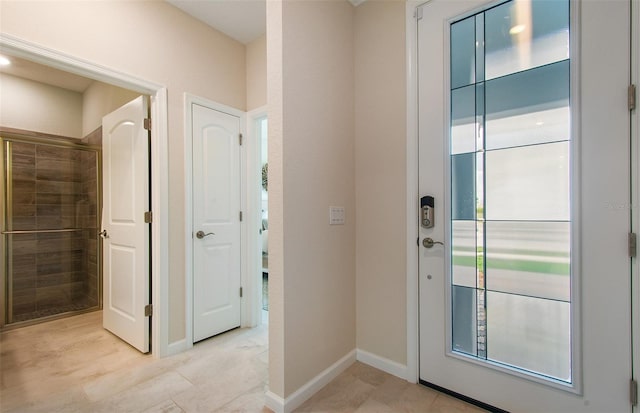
(103, 233)
(201, 234)
(429, 242)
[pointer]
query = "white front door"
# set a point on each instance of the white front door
(524, 146)
(125, 237)
(216, 222)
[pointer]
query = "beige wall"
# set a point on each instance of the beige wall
(101, 99)
(337, 138)
(257, 73)
(380, 147)
(34, 106)
(275, 109)
(157, 42)
(311, 156)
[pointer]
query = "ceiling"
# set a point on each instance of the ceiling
(242, 20)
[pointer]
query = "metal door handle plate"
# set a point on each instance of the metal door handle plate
(429, 242)
(201, 234)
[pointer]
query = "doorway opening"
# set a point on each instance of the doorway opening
(261, 136)
(52, 186)
(66, 65)
(214, 213)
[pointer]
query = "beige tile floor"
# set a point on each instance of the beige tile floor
(73, 365)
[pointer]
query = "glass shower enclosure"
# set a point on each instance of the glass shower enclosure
(50, 220)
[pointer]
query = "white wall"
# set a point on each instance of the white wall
(101, 99)
(311, 165)
(34, 106)
(380, 147)
(155, 41)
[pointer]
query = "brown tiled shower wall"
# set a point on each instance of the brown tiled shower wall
(53, 188)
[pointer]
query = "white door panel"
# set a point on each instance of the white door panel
(126, 244)
(216, 208)
(595, 376)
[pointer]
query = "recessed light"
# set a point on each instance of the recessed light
(518, 28)
(4, 61)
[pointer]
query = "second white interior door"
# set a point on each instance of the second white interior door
(216, 222)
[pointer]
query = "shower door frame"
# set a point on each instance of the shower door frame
(22, 136)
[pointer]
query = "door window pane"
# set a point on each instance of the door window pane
(529, 258)
(528, 107)
(462, 186)
(463, 251)
(479, 47)
(463, 120)
(463, 35)
(464, 315)
(530, 333)
(528, 183)
(522, 34)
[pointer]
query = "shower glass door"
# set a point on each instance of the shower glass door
(49, 233)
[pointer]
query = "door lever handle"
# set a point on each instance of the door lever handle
(429, 242)
(201, 234)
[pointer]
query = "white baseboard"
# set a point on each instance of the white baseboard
(274, 402)
(381, 363)
(295, 400)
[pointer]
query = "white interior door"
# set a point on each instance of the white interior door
(524, 144)
(125, 172)
(216, 222)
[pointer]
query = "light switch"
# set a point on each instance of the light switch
(336, 215)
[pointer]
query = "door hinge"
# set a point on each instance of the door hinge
(148, 217)
(633, 242)
(148, 310)
(147, 123)
(633, 392)
(240, 216)
(631, 96)
(240, 138)
(418, 13)
(240, 292)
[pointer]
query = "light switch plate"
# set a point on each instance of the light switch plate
(336, 215)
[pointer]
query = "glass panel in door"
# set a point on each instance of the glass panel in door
(511, 143)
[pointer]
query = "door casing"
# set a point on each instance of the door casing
(159, 167)
(253, 309)
(635, 188)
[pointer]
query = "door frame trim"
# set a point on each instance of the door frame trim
(411, 27)
(635, 191)
(245, 312)
(159, 170)
(253, 142)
